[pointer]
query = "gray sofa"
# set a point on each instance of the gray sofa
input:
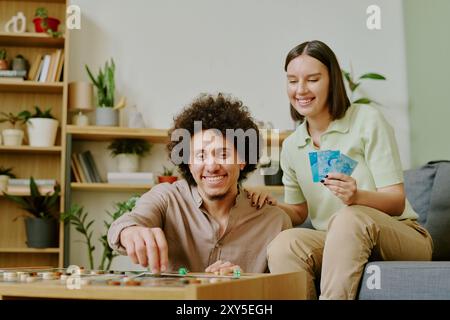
(428, 190)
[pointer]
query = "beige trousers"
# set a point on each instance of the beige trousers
(337, 256)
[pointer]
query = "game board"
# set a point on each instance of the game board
(97, 284)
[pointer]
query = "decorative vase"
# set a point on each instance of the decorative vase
(52, 23)
(42, 132)
(19, 64)
(106, 116)
(128, 162)
(12, 137)
(41, 233)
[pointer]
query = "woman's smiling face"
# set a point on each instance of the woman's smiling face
(308, 83)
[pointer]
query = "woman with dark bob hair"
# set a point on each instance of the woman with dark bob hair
(355, 218)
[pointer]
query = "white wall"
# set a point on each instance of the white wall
(167, 52)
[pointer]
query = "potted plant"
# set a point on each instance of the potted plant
(3, 61)
(354, 84)
(128, 152)
(5, 174)
(106, 114)
(44, 23)
(41, 126)
(78, 218)
(14, 136)
(167, 175)
(41, 223)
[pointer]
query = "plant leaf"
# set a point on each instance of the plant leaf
(363, 101)
(373, 76)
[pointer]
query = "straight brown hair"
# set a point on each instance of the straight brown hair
(338, 101)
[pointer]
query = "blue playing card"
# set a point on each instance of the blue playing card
(345, 165)
(326, 161)
(314, 166)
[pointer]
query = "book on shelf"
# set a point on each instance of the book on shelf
(26, 182)
(86, 167)
(136, 178)
(22, 189)
(48, 67)
(34, 68)
(13, 73)
(78, 168)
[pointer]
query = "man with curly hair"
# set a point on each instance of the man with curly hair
(204, 222)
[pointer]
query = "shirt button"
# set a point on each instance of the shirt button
(217, 245)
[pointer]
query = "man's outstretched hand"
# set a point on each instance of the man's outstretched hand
(146, 246)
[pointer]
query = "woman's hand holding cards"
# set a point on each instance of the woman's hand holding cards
(344, 187)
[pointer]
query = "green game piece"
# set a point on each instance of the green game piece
(236, 273)
(182, 271)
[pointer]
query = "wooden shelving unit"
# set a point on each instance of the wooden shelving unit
(105, 187)
(41, 163)
(27, 86)
(28, 149)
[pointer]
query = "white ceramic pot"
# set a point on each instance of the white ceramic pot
(3, 182)
(106, 116)
(12, 137)
(127, 162)
(42, 132)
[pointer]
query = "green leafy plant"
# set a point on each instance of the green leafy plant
(353, 84)
(42, 206)
(105, 84)
(121, 208)
(38, 113)
(12, 118)
(133, 146)
(7, 172)
(78, 218)
(2, 54)
(43, 14)
(167, 172)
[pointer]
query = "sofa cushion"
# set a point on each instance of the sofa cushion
(405, 280)
(428, 191)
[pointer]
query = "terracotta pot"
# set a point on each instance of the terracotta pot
(4, 65)
(169, 179)
(52, 23)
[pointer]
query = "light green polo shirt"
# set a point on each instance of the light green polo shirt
(362, 134)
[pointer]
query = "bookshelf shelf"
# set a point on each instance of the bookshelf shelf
(31, 86)
(30, 39)
(108, 187)
(29, 250)
(28, 149)
(96, 133)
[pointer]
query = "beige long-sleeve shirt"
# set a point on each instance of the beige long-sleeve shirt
(193, 234)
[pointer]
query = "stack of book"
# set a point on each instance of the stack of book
(13, 75)
(22, 186)
(135, 178)
(84, 169)
(47, 67)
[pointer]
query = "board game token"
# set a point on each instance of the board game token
(182, 271)
(133, 283)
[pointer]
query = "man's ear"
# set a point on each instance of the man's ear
(242, 166)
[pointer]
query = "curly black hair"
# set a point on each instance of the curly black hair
(220, 112)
